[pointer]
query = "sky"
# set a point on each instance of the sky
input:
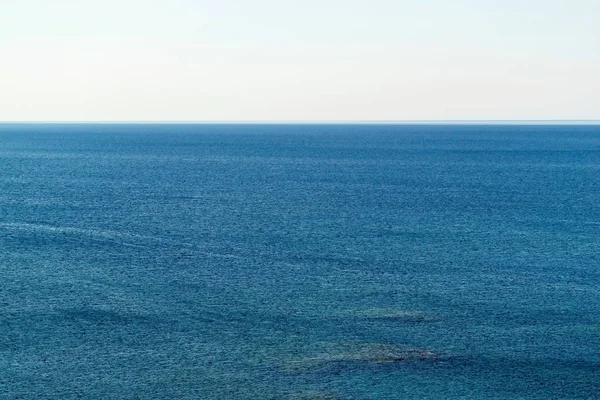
(290, 60)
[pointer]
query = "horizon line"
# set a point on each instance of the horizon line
(320, 122)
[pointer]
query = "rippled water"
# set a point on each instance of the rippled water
(299, 262)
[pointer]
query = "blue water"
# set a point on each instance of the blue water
(299, 262)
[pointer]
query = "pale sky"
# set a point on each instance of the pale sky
(292, 60)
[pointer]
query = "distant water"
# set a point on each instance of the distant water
(299, 262)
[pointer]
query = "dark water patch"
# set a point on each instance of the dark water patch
(535, 377)
(390, 314)
(313, 396)
(101, 317)
(356, 354)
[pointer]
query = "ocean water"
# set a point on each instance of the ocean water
(299, 262)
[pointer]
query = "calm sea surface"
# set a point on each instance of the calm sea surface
(299, 262)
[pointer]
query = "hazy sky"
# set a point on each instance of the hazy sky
(237, 60)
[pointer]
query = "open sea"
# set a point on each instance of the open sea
(299, 261)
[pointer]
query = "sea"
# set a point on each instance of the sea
(299, 261)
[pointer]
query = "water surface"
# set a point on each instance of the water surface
(299, 261)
